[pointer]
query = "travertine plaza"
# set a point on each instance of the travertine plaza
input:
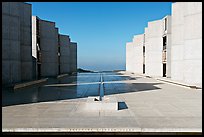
(172, 46)
(32, 48)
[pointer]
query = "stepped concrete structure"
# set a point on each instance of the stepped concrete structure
(153, 48)
(173, 46)
(65, 57)
(45, 47)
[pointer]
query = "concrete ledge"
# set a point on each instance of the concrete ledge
(22, 85)
(62, 75)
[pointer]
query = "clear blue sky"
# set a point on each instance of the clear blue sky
(101, 29)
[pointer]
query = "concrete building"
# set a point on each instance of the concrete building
(73, 56)
(186, 55)
(173, 46)
(65, 57)
(158, 47)
(16, 42)
(45, 47)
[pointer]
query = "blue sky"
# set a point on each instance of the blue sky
(101, 29)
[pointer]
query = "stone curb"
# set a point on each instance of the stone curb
(178, 83)
(170, 81)
(22, 85)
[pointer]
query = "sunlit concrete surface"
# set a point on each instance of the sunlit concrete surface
(144, 105)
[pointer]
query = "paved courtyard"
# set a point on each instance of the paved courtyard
(145, 105)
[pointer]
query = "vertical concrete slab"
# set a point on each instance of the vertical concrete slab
(193, 43)
(187, 42)
(65, 58)
(177, 41)
(153, 48)
(26, 41)
(10, 43)
(138, 43)
(49, 48)
(129, 56)
(73, 55)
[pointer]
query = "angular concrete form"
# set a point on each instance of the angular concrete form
(139, 47)
(16, 42)
(134, 54)
(73, 55)
(45, 40)
(153, 48)
(187, 42)
(173, 46)
(65, 57)
(129, 57)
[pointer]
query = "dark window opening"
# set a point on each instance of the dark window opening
(164, 42)
(164, 70)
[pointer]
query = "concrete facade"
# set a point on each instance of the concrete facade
(73, 56)
(65, 57)
(48, 46)
(129, 57)
(153, 48)
(134, 54)
(16, 42)
(187, 42)
(138, 43)
(173, 46)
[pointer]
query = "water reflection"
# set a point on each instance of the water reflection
(80, 85)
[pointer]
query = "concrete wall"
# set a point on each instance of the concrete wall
(48, 43)
(73, 55)
(16, 42)
(129, 57)
(26, 41)
(48, 46)
(153, 48)
(65, 58)
(138, 42)
(187, 42)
